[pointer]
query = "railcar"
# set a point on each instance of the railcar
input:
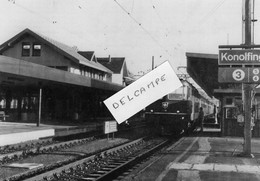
(178, 111)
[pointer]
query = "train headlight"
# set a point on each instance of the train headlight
(151, 110)
(178, 111)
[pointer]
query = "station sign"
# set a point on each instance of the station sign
(238, 75)
(110, 127)
(239, 57)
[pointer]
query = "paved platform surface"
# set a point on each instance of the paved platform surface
(13, 133)
(201, 158)
(17, 132)
(13, 127)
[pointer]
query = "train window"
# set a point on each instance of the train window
(178, 94)
(196, 107)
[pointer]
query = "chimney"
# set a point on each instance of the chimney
(109, 58)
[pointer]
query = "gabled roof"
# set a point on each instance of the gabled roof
(66, 50)
(115, 64)
(88, 55)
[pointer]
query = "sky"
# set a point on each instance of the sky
(135, 29)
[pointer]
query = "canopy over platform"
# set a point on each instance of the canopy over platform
(203, 68)
(15, 72)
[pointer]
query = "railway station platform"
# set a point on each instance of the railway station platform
(201, 158)
(18, 132)
(13, 132)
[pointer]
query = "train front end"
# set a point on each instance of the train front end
(171, 114)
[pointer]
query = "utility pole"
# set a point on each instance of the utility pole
(152, 62)
(247, 88)
(40, 105)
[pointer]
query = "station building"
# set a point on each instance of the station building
(118, 66)
(45, 80)
(203, 68)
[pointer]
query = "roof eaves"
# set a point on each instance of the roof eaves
(75, 55)
(96, 66)
(9, 42)
(202, 55)
(61, 48)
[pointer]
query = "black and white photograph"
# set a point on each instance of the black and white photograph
(129, 90)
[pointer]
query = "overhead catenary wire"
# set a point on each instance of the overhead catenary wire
(55, 22)
(160, 18)
(30, 11)
(140, 25)
(168, 32)
(211, 12)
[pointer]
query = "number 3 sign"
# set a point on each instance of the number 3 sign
(238, 75)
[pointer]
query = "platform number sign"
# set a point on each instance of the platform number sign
(241, 58)
(238, 75)
(256, 74)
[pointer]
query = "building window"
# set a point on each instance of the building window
(231, 113)
(229, 101)
(24, 103)
(3, 104)
(100, 77)
(14, 103)
(36, 49)
(26, 49)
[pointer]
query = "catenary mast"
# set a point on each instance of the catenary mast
(247, 88)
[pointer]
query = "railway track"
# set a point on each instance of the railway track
(51, 148)
(11, 153)
(106, 165)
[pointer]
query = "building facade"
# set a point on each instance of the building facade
(119, 68)
(36, 48)
(35, 69)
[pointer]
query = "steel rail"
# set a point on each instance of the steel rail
(68, 166)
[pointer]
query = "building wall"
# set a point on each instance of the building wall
(117, 78)
(230, 111)
(52, 58)
(108, 78)
(49, 57)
